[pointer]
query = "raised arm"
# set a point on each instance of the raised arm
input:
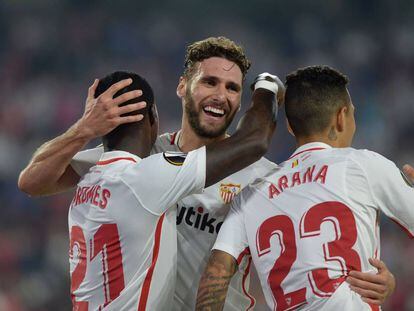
(215, 281)
(253, 135)
(49, 170)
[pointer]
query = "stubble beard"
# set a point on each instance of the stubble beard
(194, 119)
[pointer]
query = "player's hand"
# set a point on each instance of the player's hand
(103, 114)
(373, 288)
(409, 172)
(272, 83)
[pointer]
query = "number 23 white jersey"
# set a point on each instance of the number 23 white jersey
(311, 221)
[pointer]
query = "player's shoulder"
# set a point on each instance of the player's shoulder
(245, 200)
(365, 156)
(113, 165)
(354, 155)
(261, 182)
(165, 142)
(254, 171)
(147, 169)
(367, 163)
(264, 164)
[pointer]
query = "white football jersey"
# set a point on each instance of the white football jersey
(123, 233)
(199, 218)
(309, 222)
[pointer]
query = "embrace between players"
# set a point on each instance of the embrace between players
(142, 227)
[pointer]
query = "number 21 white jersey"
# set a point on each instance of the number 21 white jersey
(311, 221)
(122, 232)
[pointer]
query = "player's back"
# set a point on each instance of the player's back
(123, 238)
(311, 221)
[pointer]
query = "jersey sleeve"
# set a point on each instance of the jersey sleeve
(160, 180)
(232, 237)
(85, 159)
(391, 190)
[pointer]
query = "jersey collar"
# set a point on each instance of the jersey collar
(175, 137)
(314, 146)
(115, 156)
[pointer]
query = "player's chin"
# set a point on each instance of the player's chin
(213, 130)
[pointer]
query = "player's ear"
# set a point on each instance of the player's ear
(181, 88)
(289, 128)
(341, 118)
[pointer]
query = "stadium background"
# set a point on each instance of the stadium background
(51, 50)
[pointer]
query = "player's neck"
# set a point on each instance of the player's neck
(189, 140)
(132, 145)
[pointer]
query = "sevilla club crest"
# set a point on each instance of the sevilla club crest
(229, 191)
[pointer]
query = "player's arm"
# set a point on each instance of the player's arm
(49, 170)
(231, 243)
(409, 172)
(373, 288)
(252, 137)
(215, 281)
(392, 192)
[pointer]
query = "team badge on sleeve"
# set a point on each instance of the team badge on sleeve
(229, 191)
(407, 180)
(175, 158)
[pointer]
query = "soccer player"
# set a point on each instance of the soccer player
(122, 229)
(309, 222)
(210, 96)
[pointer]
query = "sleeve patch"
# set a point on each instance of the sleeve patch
(407, 180)
(175, 158)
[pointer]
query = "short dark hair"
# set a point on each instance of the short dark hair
(214, 47)
(313, 95)
(138, 83)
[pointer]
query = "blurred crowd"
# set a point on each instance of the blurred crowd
(51, 51)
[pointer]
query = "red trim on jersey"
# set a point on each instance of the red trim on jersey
(114, 160)
(172, 141)
(245, 252)
(246, 273)
(403, 227)
(310, 149)
(142, 305)
(315, 289)
(374, 307)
